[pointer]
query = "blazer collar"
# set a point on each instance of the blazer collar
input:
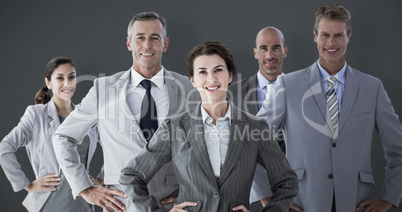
(194, 127)
(238, 122)
(349, 96)
(52, 113)
(122, 84)
(313, 78)
(172, 86)
(252, 87)
(125, 115)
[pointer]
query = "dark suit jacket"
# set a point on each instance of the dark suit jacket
(181, 140)
(244, 95)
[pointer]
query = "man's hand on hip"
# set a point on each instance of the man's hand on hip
(103, 197)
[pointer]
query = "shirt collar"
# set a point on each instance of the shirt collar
(262, 81)
(206, 118)
(157, 79)
(340, 76)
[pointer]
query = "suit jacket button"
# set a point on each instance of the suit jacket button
(330, 176)
(334, 145)
(216, 194)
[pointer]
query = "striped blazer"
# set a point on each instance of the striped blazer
(181, 140)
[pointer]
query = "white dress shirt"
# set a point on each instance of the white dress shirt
(135, 94)
(217, 139)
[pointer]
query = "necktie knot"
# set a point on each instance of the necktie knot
(146, 84)
(331, 82)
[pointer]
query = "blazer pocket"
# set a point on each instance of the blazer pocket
(360, 116)
(171, 180)
(232, 205)
(366, 177)
(194, 208)
(300, 174)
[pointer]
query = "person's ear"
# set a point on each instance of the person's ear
(285, 51)
(315, 36)
(128, 44)
(192, 81)
(48, 84)
(166, 44)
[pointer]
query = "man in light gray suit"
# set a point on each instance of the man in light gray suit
(114, 104)
(329, 111)
(249, 94)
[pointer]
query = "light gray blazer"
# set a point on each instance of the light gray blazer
(35, 131)
(180, 140)
(105, 106)
(327, 161)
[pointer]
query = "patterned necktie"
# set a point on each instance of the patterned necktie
(148, 120)
(332, 101)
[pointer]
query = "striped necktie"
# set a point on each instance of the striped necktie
(332, 101)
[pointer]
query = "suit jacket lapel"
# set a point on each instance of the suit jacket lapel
(172, 89)
(197, 141)
(235, 145)
(125, 113)
(252, 87)
(52, 113)
(316, 88)
(349, 96)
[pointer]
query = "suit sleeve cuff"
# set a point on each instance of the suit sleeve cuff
(78, 189)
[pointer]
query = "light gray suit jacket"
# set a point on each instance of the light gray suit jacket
(35, 131)
(105, 106)
(327, 161)
(181, 141)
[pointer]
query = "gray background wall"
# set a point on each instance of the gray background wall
(93, 34)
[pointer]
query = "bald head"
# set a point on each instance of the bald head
(270, 31)
(270, 51)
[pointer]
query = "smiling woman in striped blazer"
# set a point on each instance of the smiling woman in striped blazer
(214, 147)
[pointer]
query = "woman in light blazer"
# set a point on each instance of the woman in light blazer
(214, 147)
(50, 191)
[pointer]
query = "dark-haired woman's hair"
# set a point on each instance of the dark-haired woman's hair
(210, 48)
(43, 96)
